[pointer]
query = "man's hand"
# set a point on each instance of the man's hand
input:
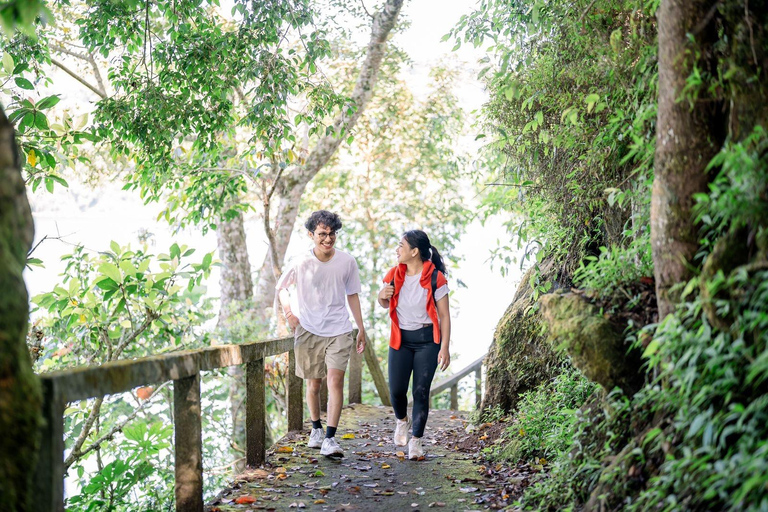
(360, 341)
(293, 321)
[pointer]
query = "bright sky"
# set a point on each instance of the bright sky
(95, 217)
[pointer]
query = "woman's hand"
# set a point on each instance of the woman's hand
(443, 358)
(385, 294)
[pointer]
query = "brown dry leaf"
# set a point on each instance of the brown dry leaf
(483, 437)
(285, 449)
(319, 502)
(400, 454)
(244, 500)
(282, 476)
(281, 469)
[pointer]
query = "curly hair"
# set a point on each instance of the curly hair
(329, 219)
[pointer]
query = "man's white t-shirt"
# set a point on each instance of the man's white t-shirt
(412, 303)
(321, 291)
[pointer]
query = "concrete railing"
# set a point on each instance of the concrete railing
(183, 368)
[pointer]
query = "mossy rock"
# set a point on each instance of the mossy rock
(595, 345)
(520, 358)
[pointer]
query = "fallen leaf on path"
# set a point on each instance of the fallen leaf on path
(244, 500)
(285, 449)
(348, 436)
(385, 466)
(436, 504)
(400, 454)
(468, 489)
(319, 502)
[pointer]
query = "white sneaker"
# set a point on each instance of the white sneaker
(316, 438)
(331, 448)
(401, 431)
(415, 451)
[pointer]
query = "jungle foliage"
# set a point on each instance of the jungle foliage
(572, 126)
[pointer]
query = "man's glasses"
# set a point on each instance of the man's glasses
(323, 236)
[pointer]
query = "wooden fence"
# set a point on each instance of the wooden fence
(183, 368)
(452, 383)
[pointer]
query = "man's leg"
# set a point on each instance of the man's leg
(335, 397)
(313, 399)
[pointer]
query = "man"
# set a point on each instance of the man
(324, 278)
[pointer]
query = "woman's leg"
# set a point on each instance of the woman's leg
(400, 366)
(424, 366)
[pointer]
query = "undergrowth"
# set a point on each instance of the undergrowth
(543, 425)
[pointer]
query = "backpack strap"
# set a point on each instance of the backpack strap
(434, 285)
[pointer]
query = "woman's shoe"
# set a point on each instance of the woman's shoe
(401, 431)
(415, 450)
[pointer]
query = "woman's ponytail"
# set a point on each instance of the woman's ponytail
(437, 260)
(428, 252)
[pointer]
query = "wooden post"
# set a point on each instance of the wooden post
(382, 388)
(255, 414)
(189, 444)
(355, 382)
(49, 472)
(478, 387)
(455, 397)
(295, 387)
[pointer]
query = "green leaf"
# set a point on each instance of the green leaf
(24, 83)
(8, 63)
(111, 271)
(48, 102)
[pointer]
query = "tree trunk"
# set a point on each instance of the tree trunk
(235, 280)
(293, 184)
(20, 394)
(689, 133)
(236, 291)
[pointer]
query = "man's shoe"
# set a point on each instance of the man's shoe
(316, 438)
(401, 431)
(331, 448)
(415, 451)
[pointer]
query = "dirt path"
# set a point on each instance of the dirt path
(374, 475)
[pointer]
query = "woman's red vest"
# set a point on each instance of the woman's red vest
(397, 274)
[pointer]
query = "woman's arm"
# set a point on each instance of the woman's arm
(444, 314)
(385, 294)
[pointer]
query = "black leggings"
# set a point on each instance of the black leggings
(418, 355)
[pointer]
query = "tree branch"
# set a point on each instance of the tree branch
(75, 453)
(117, 428)
(58, 64)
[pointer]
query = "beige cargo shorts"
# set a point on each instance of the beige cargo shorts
(316, 353)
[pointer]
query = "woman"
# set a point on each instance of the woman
(420, 332)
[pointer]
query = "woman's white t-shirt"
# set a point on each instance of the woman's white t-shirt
(412, 303)
(321, 289)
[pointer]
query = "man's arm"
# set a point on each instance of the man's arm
(285, 302)
(354, 306)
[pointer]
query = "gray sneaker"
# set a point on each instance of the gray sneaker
(331, 448)
(401, 431)
(316, 438)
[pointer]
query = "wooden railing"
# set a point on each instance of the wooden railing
(452, 383)
(183, 368)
